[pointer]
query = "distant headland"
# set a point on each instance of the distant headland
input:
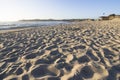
(109, 17)
(71, 20)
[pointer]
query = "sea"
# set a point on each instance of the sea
(24, 24)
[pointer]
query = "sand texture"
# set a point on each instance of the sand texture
(88, 50)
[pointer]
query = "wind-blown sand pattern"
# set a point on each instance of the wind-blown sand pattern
(80, 51)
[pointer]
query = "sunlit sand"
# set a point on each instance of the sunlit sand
(87, 50)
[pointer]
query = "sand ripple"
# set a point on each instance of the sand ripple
(78, 51)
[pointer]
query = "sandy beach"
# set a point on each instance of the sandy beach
(87, 50)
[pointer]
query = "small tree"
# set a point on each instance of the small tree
(112, 15)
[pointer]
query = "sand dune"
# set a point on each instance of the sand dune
(78, 51)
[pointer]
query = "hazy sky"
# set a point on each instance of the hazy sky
(11, 10)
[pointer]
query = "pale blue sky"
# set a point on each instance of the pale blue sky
(12, 10)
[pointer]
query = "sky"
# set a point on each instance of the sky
(13, 10)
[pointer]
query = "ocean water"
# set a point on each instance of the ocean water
(20, 24)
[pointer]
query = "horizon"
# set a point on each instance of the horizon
(16, 10)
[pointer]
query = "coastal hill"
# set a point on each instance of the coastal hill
(110, 17)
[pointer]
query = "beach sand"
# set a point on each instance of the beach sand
(87, 50)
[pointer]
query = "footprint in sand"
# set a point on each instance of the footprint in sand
(19, 71)
(41, 71)
(30, 56)
(83, 59)
(85, 73)
(25, 77)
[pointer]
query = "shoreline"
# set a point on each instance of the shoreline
(75, 22)
(29, 24)
(13, 30)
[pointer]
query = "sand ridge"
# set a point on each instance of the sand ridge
(88, 50)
